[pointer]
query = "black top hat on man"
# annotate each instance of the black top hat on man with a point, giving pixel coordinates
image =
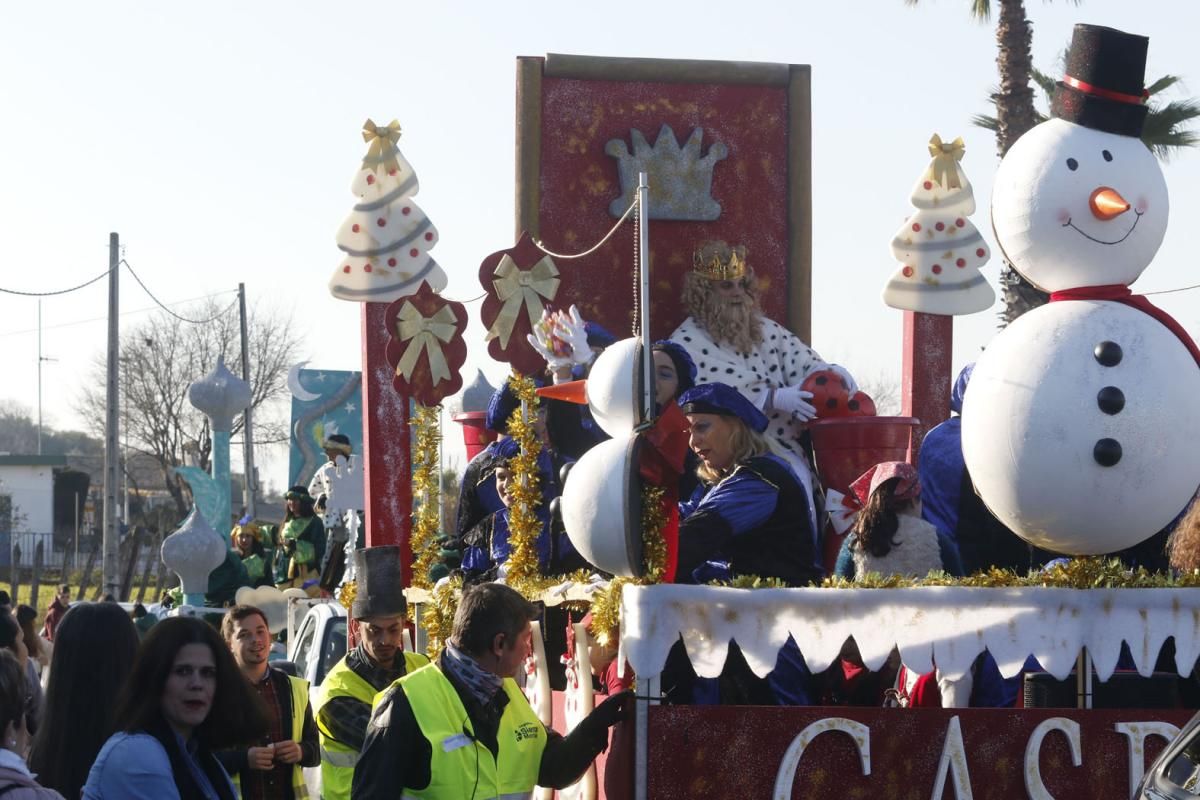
(1104, 85)
(379, 592)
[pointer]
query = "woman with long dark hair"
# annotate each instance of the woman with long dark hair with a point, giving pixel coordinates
(184, 699)
(94, 648)
(889, 536)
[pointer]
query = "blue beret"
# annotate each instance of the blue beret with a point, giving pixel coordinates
(685, 368)
(598, 335)
(718, 398)
(501, 406)
(506, 449)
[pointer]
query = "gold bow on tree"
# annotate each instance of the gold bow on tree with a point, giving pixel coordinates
(944, 169)
(428, 333)
(382, 151)
(515, 286)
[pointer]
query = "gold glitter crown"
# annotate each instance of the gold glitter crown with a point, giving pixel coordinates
(717, 270)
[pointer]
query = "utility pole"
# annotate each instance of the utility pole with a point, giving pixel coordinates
(39, 452)
(112, 456)
(41, 358)
(250, 492)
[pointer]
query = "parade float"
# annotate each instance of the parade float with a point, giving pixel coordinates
(1087, 454)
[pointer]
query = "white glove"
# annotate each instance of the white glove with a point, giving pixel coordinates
(794, 400)
(569, 327)
(539, 340)
(851, 384)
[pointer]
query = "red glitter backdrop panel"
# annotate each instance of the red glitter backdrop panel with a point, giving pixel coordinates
(579, 181)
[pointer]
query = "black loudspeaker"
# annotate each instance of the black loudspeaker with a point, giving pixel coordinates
(1122, 690)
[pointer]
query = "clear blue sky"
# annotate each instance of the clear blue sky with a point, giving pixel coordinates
(220, 138)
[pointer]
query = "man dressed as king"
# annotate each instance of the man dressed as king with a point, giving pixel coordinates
(732, 342)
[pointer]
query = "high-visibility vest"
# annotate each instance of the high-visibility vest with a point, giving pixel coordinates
(299, 690)
(338, 759)
(461, 767)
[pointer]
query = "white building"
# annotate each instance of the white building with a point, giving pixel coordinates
(27, 492)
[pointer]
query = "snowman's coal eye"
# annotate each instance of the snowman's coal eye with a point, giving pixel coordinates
(1072, 164)
(1107, 155)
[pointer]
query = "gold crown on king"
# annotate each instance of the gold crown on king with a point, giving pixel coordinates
(717, 270)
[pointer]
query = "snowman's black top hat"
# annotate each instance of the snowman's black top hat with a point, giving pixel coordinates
(1104, 85)
(379, 592)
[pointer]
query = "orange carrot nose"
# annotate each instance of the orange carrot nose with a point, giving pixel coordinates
(572, 392)
(1107, 203)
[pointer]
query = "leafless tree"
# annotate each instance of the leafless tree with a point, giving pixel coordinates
(162, 356)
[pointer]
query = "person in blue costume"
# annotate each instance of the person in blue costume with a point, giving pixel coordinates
(486, 547)
(941, 464)
(952, 506)
(748, 517)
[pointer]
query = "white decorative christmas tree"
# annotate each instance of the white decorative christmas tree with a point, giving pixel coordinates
(387, 237)
(939, 249)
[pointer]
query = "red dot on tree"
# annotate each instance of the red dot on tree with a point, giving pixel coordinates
(928, 185)
(908, 271)
(370, 179)
(941, 226)
(429, 237)
(916, 226)
(391, 262)
(962, 262)
(937, 269)
(392, 172)
(355, 227)
(406, 211)
(960, 222)
(414, 252)
(981, 252)
(367, 268)
(346, 268)
(381, 222)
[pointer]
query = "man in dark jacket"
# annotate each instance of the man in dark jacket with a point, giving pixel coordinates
(486, 739)
(272, 769)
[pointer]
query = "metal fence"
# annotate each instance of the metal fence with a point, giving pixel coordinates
(64, 554)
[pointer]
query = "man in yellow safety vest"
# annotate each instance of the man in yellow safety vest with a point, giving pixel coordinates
(271, 770)
(460, 728)
(343, 703)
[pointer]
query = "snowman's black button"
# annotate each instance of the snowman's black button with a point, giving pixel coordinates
(1108, 354)
(1111, 400)
(1107, 452)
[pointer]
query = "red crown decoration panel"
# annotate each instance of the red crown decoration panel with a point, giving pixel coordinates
(581, 178)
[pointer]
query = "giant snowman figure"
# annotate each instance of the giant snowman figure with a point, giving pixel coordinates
(1082, 422)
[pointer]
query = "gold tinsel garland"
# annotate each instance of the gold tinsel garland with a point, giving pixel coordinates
(525, 493)
(426, 492)
(346, 594)
(438, 619)
(1092, 572)
(606, 604)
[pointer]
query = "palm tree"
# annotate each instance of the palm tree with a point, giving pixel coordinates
(1165, 132)
(1015, 114)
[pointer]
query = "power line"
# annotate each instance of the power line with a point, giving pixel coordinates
(142, 310)
(58, 291)
(161, 305)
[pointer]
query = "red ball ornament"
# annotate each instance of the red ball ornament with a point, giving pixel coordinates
(367, 268)
(960, 222)
(354, 227)
(391, 262)
(381, 222)
(962, 262)
(429, 237)
(406, 211)
(830, 394)
(916, 226)
(941, 226)
(370, 180)
(414, 253)
(937, 269)
(981, 252)
(346, 268)
(908, 271)
(861, 405)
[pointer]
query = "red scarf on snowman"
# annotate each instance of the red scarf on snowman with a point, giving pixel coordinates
(1120, 293)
